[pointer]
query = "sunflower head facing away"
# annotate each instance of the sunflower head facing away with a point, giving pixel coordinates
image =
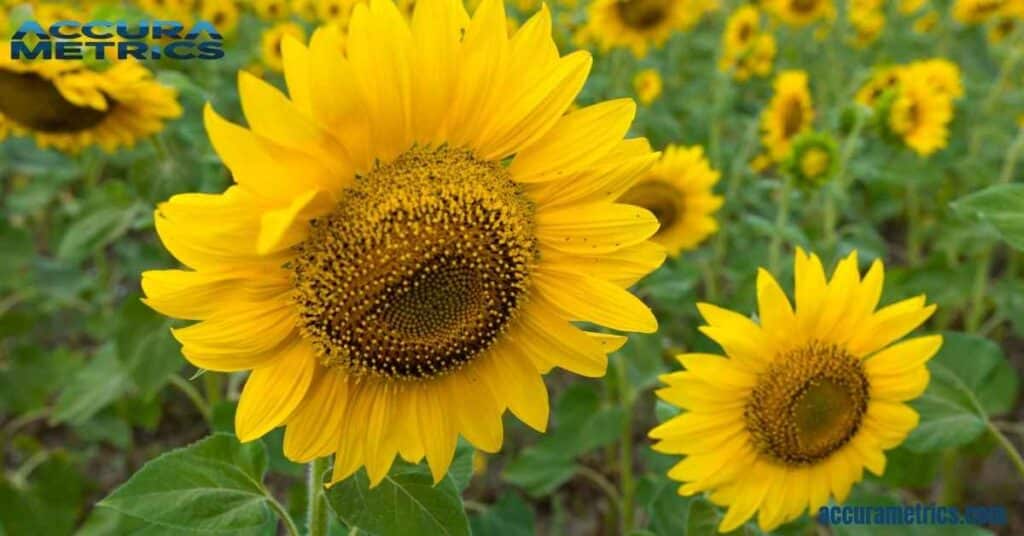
(69, 105)
(788, 114)
(813, 160)
(678, 190)
(412, 235)
(641, 24)
(803, 399)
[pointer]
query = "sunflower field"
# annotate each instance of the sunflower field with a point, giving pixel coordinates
(591, 267)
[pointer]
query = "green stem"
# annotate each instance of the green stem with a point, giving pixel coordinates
(837, 190)
(978, 290)
(317, 513)
(781, 220)
(1008, 447)
(913, 223)
(282, 514)
(952, 477)
(601, 482)
(212, 386)
(626, 450)
(190, 391)
(1010, 163)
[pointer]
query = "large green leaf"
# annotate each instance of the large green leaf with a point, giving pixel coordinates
(95, 231)
(47, 504)
(971, 380)
(405, 502)
(213, 486)
(1002, 206)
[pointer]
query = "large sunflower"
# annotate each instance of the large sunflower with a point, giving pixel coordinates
(804, 399)
(410, 237)
(678, 190)
(641, 24)
(789, 113)
(69, 106)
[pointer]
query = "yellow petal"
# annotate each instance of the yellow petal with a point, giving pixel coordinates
(313, 430)
(436, 28)
(593, 300)
(240, 337)
(273, 392)
(594, 229)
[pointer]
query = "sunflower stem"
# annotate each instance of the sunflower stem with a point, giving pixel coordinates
(317, 501)
(212, 386)
(192, 394)
(781, 221)
(838, 186)
(913, 227)
(282, 514)
(626, 450)
(1007, 446)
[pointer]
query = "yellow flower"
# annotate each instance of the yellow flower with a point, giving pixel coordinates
(919, 115)
(926, 22)
(411, 233)
(803, 399)
(814, 159)
(801, 12)
(741, 29)
(679, 191)
(272, 42)
(941, 74)
(176, 9)
(746, 50)
(336, 11)
(222, 13)
(976, 11)
(867, 23)
(270, 9)
(789, 113)
(881, 80)
(69, 106)
(304, 9)
(641, 24)
(907, 7)
(647, 84)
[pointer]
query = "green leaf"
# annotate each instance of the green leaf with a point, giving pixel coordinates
(47, 504)
(1002, 206)
(145, 346)
(510, 516)
(94, 231)
(669, 512)
(461, 470)
(214, 486)
(405, 502)
(971, 380)
(92, 388)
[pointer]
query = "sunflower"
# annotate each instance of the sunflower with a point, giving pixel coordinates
(867, 23)
(746, 50)
(804, 398)
(222, 13)
(678, 190)
(789, 113)
(334, 11)
(941, 74)
(926, 22)
(882, 80)
(813, 160)
(304, 9)
(919, 114)
(801, 12)
(741, 28)
(69, 106)
(647, 84)
(411, 235)
(271, 43)
(976, 11)
(908, 7)
(640, 24)
(270, 9)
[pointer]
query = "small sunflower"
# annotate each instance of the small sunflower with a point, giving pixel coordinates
(789, 113)
(412, 234)
(641, 24)
(976, 11)
(304, 9)
(942, 74)
(926, 22)
(804, 399)
(270, 9)
(746, 50)
(813, 160)
(867, 24)
(919, 115)
(647, 84)
(69, 106)
(679, 191)
(908, 7)
(222, 13)
(882, 80)
(271, 43)
(801, 12)
(741, 28)
(335, 11)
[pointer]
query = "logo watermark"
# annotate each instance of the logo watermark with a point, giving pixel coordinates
(73, 40)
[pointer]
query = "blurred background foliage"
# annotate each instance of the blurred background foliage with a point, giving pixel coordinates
(92, 386)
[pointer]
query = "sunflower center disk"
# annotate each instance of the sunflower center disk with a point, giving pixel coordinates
(419, 268)
(662, 199)
(807, 404)
(642, 14)
(792, 118)
(34, 102)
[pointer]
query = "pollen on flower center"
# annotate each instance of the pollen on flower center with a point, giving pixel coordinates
(34, 102)
(642, 14)
(419, 268)
(807, 404)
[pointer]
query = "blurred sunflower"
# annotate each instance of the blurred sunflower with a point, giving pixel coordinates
(867, 20)
(222, 13)
(919, 115)
(270, 9)
(679, 191)
(171, 9)
(882, 80)
(334, 11)
(926, 22)
(1007, 22)
(942, 74)
(813, 160)
(801, 12)
(271, 43)
(908, 7)
(304, 9)
(647, 84)
(641, 24)
(409, 238)
(804, 399)
(789, 113)
(746, 50)
(976, 11)
(69, 106)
